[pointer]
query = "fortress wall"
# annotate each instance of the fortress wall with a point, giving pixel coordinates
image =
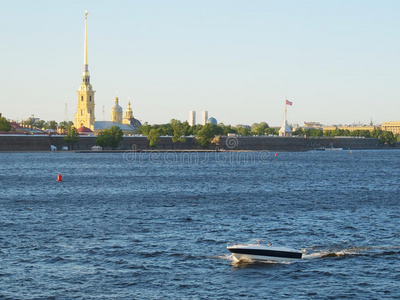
(262, 143)
(10, 142)
(343, 142)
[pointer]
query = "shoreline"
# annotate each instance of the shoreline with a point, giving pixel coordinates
(186, 151)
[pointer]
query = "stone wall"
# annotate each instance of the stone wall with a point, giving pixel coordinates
(262, 143)
(18, 142)
(343, 142)
(10, 142)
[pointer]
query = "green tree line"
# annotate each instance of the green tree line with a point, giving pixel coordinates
(384, 136)
(204, 133)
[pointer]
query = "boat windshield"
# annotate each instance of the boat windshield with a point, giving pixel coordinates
(252, 242)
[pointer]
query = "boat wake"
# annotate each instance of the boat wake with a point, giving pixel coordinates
(350, 252)
(241, 263)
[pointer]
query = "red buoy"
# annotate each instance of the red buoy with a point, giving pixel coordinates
(276, 154)
(59, 178)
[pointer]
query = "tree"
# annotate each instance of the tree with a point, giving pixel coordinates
(193, 130)
(387, 137)
(154, 137)
(4, 124)
(50, 125)
(271, 131)
(317, 132)
(39, 124)
(166, 129)
(72, 137)
(241, 130)
(299, 131)
(179, 130)
(145, 129)
(116, 136)
(206, 134)
(259, 128)
(65, 125)
(111, 137)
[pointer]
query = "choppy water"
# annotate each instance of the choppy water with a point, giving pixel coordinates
(155, 226)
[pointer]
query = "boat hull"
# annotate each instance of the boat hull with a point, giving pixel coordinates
(271, 254)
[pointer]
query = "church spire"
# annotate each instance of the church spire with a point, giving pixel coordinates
(85, 61)
(85, 74)
(85, 114)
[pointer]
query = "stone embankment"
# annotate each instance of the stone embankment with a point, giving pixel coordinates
(9, 142)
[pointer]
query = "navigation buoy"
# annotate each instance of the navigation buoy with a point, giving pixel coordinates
(59, 178)
(276, 154)
(351, 151)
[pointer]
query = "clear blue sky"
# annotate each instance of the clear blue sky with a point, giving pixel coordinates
(338, 61)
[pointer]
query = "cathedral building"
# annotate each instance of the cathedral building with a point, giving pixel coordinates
(85, 120)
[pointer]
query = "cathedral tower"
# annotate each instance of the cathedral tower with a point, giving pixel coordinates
(128, 115)
(116, 112)
(85, 113)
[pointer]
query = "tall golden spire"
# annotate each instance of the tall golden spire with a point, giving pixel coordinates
(85, 114)
(85, 62)
(85, 74)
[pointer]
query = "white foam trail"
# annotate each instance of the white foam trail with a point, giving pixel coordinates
(224, 257)
(342, 252)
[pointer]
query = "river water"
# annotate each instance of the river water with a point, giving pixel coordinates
(153, 226)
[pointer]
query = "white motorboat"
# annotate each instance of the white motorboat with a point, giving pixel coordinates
(260, 251)
(329, 149)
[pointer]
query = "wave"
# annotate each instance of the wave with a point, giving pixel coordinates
(350, 252)
(244, 262)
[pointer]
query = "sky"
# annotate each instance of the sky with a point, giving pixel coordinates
(337, 61)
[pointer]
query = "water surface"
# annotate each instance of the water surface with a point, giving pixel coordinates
(152, 226)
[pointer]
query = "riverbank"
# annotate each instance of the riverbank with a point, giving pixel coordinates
(9, 142)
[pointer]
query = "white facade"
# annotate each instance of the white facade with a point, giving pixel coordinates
(192, 118)
(204, 117)
(285, 130)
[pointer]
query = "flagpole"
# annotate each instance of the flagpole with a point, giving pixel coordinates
(285, 111)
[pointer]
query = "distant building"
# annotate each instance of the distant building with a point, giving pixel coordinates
(393, 126)
(204, 117)
(243, 126)
(350, 127)
(192, 118)
(33, 120)
(312, 125)
(295, 126)
(212, 121)
(285, 130)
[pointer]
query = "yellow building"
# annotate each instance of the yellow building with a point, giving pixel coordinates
(85, 113)
(393, 126)
(350, 128)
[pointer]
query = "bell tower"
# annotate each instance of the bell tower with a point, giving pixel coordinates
(85, 112)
